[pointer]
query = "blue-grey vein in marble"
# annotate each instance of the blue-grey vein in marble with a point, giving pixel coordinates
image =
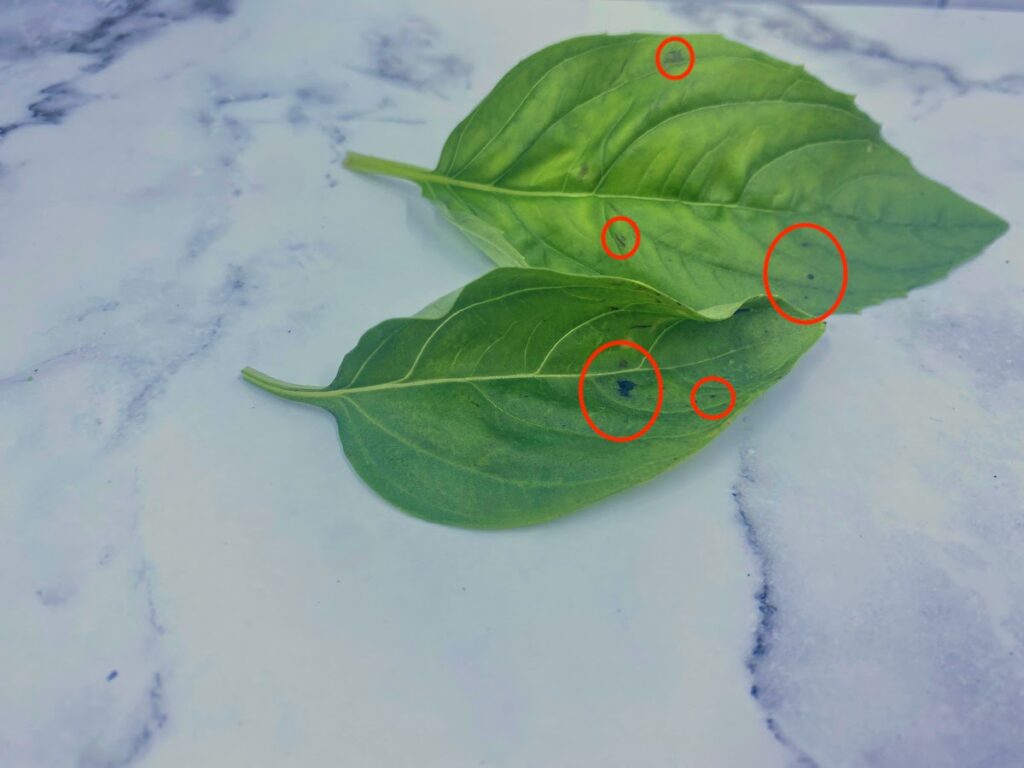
(192, 577)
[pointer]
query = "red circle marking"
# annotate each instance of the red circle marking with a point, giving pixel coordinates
(661, 47)
(604, 238)
(657, 406)
(713, 416)
(842, 288)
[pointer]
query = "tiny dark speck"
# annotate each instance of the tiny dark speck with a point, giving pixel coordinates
(112, 675)
(810, 276)
(625, 387)
(623, 363)
(805, 244)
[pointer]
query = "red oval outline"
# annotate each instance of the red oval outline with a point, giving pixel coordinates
(604, 238)
(842, 259)
(583, 400)
(713, 416)
(657, 57)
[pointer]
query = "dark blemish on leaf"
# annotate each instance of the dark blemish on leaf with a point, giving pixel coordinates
(584, 170)
(623, 363)
(673, 56)
(641, 326)
(620, 239)
(625, 387)
(112, 675)
(810, 276)
(805, 244)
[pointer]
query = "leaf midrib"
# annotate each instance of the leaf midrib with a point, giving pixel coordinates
(293, 391)
(376, 165)
(431, 177)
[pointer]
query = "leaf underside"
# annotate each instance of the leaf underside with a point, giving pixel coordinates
(711, 168)
(469, 415)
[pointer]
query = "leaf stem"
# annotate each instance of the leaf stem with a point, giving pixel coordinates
(297, 392)
(378, 165)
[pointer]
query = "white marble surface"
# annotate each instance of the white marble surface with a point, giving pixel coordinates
(190, 572)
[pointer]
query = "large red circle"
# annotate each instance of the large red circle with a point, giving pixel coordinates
(713, 416)
(661, 47)
(657, 406)
(604, 238)
(842, 288)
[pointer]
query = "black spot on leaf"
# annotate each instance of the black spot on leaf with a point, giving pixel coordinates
(625, 386)
(673, 56)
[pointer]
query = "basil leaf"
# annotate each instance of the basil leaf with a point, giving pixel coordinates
(469, 415)
(711, 168)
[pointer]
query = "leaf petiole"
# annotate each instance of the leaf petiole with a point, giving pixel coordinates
(378, 165)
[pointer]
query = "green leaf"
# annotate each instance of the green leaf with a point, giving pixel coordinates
(471, 417)
(711, 168)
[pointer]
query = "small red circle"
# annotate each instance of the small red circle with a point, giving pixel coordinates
(661, 47)
(657, 405)
(713, 416)
(842, 287)
(604, 238)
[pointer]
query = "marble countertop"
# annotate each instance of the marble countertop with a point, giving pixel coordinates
(192, 574)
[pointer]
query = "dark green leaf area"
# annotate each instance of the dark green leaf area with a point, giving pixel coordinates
(472, 418)
(711, 167)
